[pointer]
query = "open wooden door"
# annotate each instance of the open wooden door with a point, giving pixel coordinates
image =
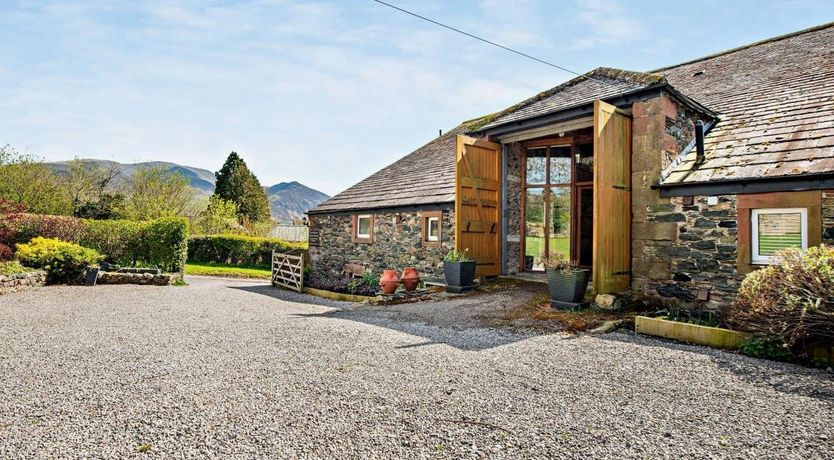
(612, 199)
(478, 203)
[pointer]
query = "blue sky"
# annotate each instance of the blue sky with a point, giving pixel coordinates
(321, 92)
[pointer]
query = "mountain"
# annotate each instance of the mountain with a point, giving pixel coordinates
(288, 200)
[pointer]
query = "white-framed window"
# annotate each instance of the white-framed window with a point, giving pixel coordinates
(363, 226)
(776, 229)
(433, 231)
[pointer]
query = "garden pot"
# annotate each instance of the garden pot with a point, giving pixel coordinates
(459, 275)
(389, 281)
(410, 279)
(567, 287)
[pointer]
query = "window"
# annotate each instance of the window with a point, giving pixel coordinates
(776, 229)
(363, 228)
(433, 229)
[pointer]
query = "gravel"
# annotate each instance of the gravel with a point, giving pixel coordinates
(235, 369)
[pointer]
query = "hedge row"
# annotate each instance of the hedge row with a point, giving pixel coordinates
(238, 249)
(159, 243)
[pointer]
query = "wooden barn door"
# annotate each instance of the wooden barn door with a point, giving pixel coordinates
(478, 203)
(612, 199)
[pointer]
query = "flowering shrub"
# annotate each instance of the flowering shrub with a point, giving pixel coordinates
(64, 262)
(368, 285)
(791, 301)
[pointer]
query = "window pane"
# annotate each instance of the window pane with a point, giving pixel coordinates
(560, 206)
(560, 165)
(585, 162)
(434, 228)
(536, 166)
(779, 231)
(534, 230)
(364, 226)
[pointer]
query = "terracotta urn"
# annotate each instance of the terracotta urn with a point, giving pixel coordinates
(389, 281)
(410, 279)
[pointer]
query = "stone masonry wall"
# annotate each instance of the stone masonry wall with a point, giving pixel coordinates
(660, 128)
(398, 243)
(702, 256)
(512, 214)
(21, 281)
(828, 217)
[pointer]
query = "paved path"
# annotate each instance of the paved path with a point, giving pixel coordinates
(235, 369)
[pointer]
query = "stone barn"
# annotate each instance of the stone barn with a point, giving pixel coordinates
(670, 184)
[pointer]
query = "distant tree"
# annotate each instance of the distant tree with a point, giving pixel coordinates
(107, 206)
(27, 181)
(236, 183)
(156, 191)
(220, 216)
(86, 184)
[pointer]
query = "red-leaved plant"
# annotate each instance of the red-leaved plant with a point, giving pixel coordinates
(9, 214)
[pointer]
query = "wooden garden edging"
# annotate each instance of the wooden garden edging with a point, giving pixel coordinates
(691, 333)
(288, 271)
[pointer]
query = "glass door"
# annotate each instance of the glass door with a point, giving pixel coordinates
(548, 205)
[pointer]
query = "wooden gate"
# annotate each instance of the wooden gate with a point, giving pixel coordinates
(612, 199)
(288, 271)
(478, 203)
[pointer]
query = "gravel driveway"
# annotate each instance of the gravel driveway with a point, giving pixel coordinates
(236, 369)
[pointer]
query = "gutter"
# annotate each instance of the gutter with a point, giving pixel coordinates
(798, 182)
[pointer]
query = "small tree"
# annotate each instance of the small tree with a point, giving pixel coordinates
(156, 191)
(236, 183)
(220, 216)
(26, 181)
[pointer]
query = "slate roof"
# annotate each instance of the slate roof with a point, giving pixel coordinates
(425, 176)
(776, 104)
(600, 83)
(775, 99)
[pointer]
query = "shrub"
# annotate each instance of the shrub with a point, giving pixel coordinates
(63, 228)
(790, 302)
(12, 267)
(766, 349)
(64, 262)
(9, 215)
(238, 249)
(161, 242)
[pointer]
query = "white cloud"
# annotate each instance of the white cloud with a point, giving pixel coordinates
(606, 23)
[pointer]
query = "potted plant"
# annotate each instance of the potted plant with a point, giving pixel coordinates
(566, 280)
(459, 271)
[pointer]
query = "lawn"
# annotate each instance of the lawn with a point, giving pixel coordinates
(232, 271)
(535, 245)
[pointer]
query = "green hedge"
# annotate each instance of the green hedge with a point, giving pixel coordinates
(238, 249)
(159, 243)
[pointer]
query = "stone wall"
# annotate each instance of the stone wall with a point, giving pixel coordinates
(22, 281)
(398, 243)
(163, 279)
(701, 255)
(660, 127)
(512, 214)
(828, 217)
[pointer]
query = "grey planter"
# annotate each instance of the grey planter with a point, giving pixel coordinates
(567, 288)
(459, 276)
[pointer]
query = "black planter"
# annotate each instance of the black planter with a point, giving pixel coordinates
(459, 275)
(567, 287)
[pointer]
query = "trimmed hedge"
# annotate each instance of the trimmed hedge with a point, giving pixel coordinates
(159, 243)
(238, 249)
